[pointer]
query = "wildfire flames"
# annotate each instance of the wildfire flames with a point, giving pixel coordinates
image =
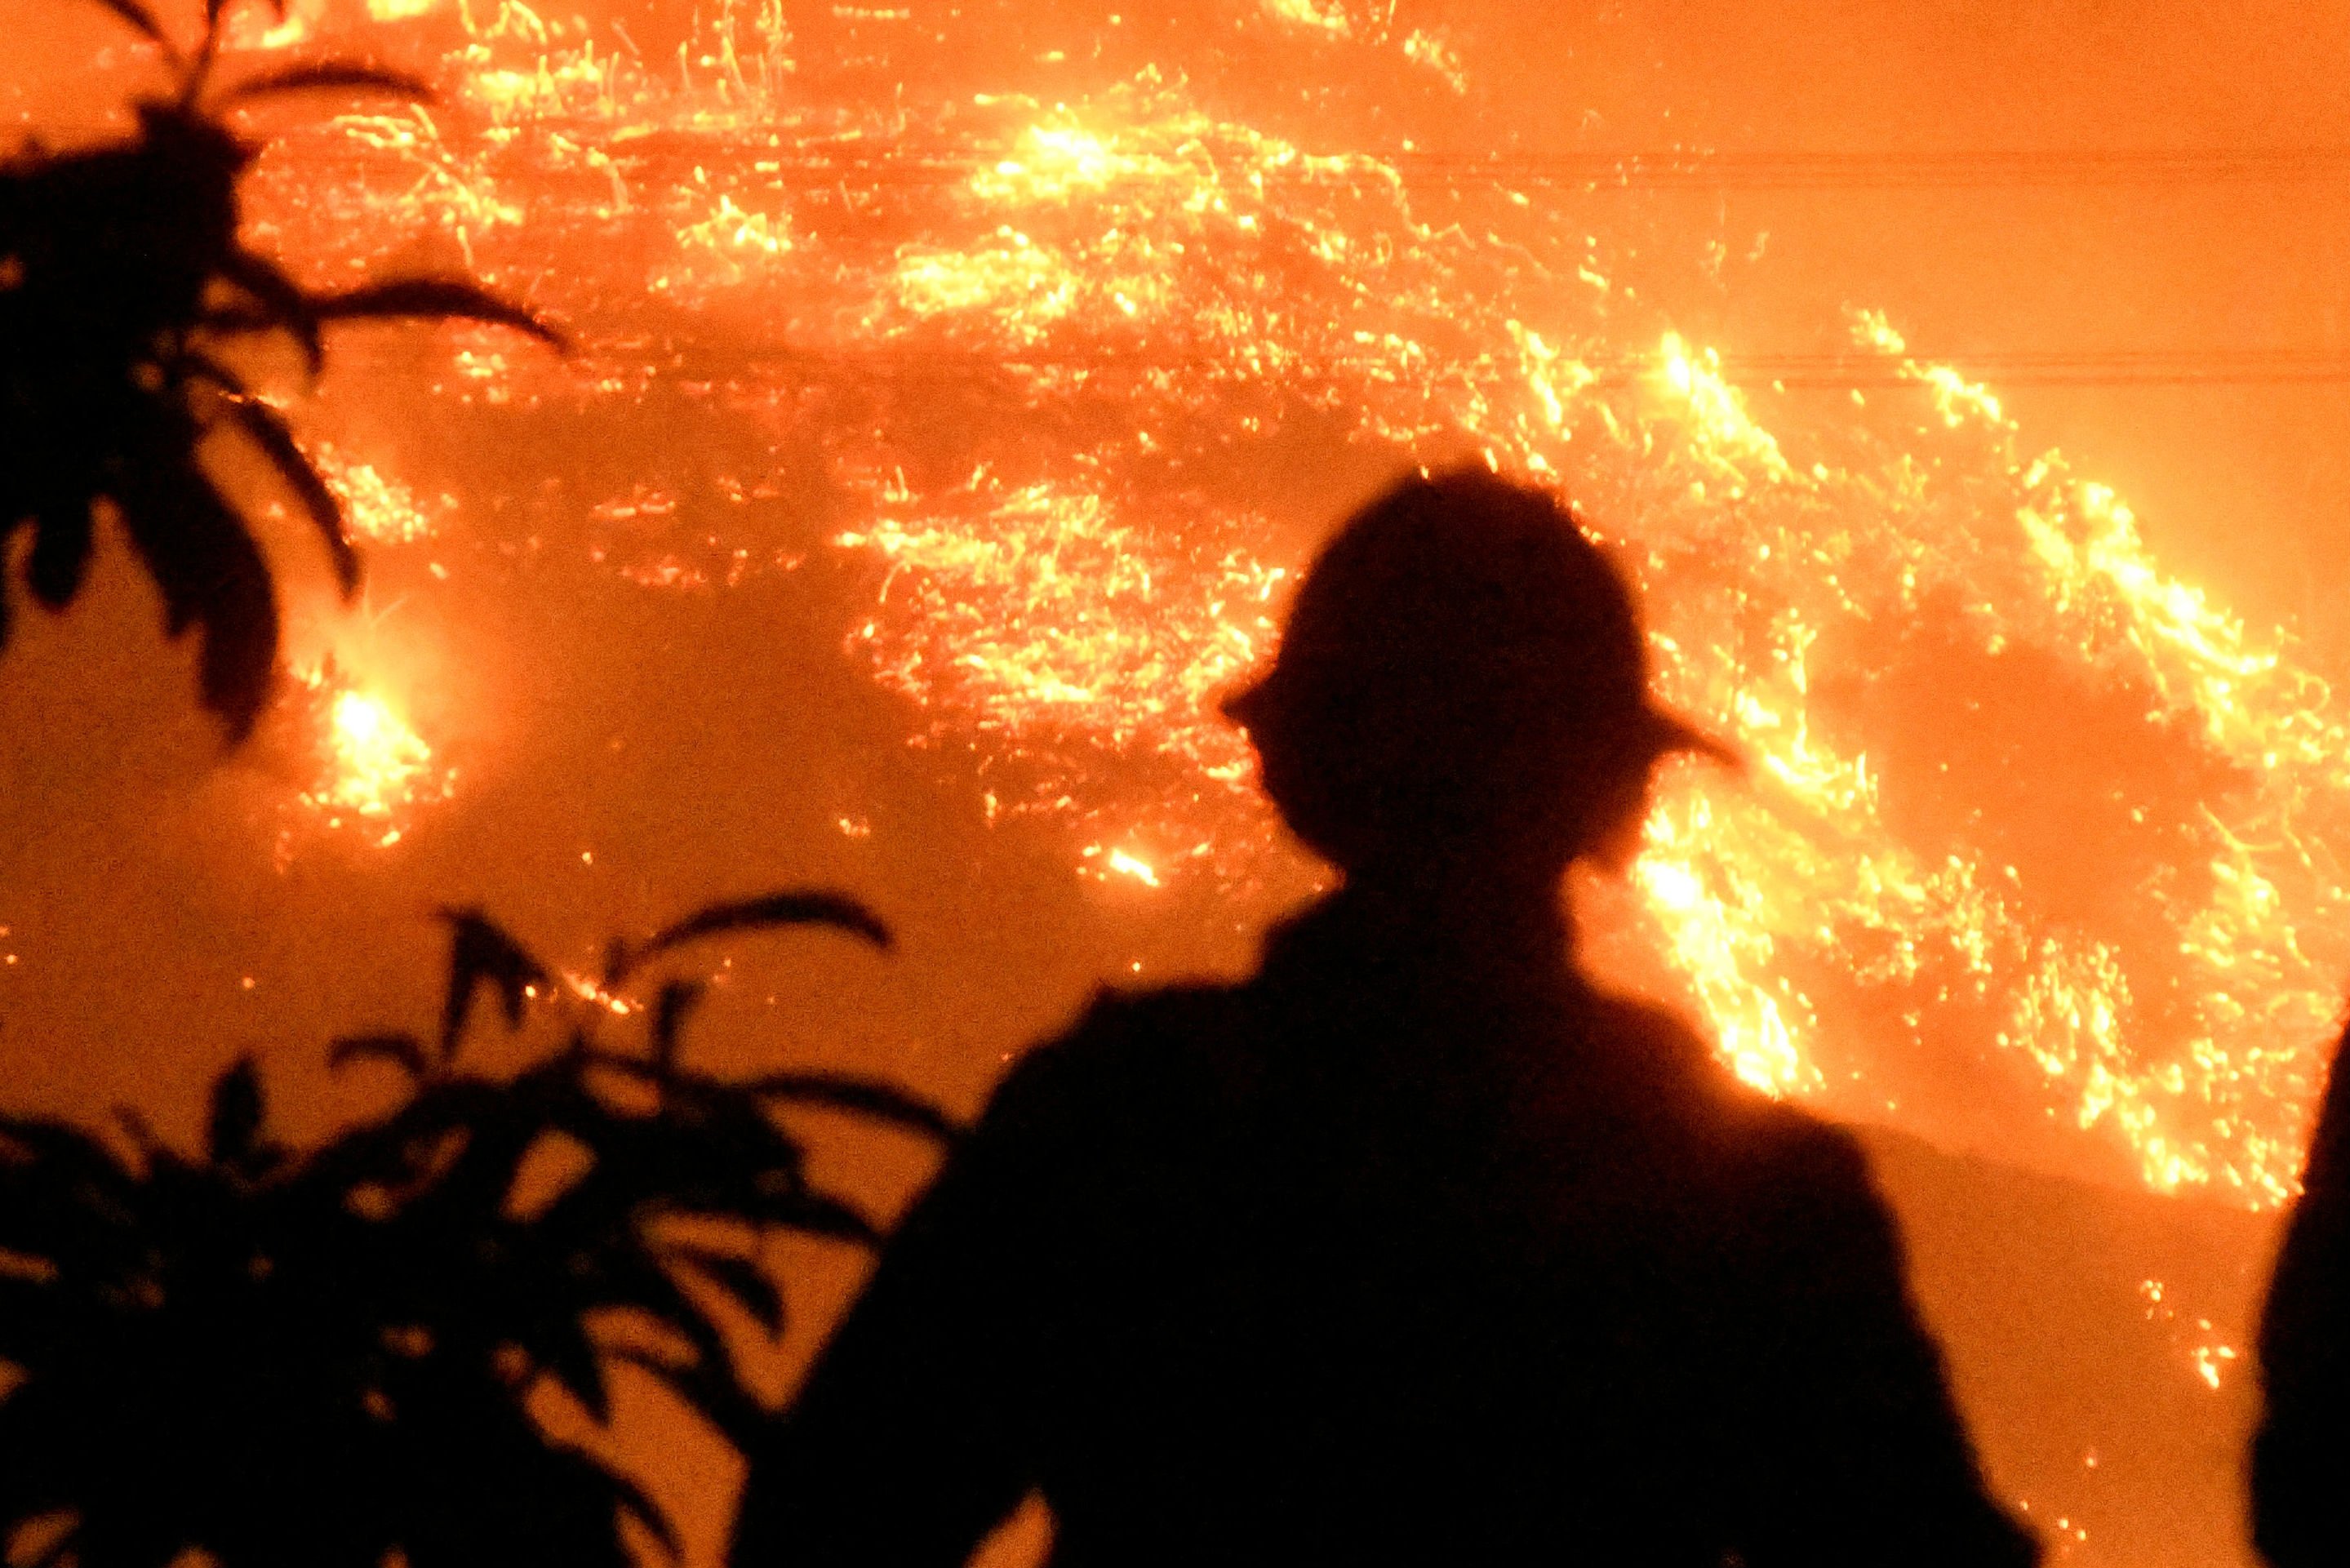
(374, 771)
(1029, 344)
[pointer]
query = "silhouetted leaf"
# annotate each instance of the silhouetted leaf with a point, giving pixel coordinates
(61, 542)
(209, 574)
(862, 1097)
(723, 1401)
(476, 1187)
(139, 16)
(233, 1131)
(351, 1335)
(403, 1050)
(676, 1002)
(329, 74)
(635, 1280)
(432, 298)
(285, 306)
(816, 1214)
(267, 431)
(833, 910)
(480, 950)
(741, 1278)
(569, 1356)
(204, 366)
(639, 1505)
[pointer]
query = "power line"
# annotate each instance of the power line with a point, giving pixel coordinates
(2000, 369)
(1890, 171)
(1591, 173)
(1997, 371)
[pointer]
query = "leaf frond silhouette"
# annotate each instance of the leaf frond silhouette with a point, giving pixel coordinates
(331, 1353)
(766, 911)
(404, 1051)
(124, 289)
(432, 298)
(482, 953)
(264, 427)
(676, 1002)
(139, 17)
(859, 1096)
(233, 1131)
(331, 75)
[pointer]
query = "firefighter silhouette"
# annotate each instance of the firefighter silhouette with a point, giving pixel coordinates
(1416, 1248)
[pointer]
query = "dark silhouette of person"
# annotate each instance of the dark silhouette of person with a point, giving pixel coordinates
(2301, 1453)
(1415, 1248)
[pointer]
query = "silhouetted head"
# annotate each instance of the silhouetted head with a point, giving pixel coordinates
(1463, 686)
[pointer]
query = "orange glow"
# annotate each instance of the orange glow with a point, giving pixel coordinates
(1194, 287)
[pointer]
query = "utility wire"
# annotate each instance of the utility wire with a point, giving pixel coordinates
(1996, 371)
(2003, 368)
(1890, 171)
(1592, 172)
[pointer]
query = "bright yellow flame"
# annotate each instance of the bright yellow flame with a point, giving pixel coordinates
(1315, 16)
(378, 758)
(375, 768)
(2209, 1360)
(1130, 866)
(595, 995)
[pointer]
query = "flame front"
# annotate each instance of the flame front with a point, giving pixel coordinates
(2023, 809)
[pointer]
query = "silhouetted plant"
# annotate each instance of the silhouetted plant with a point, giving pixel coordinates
(326, 1358)
(123, 286)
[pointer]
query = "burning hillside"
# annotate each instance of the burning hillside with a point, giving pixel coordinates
(2033, 827)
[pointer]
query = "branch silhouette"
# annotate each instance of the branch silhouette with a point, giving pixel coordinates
(124, 293)
(328, 1355)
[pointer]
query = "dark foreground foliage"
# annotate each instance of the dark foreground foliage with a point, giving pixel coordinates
(325, 1357)
(124, 295)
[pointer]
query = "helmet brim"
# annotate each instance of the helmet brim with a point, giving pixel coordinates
(1668, 733)
(1656, 730)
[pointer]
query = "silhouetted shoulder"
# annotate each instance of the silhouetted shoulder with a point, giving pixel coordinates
(1854, 1453)
(1689, 1076)
(1664, 1040)
(1132, 1061)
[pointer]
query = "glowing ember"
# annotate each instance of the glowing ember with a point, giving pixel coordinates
(2209, 1357)
(2024, 812)
(597, 996)
(377, 769)
(379, 510)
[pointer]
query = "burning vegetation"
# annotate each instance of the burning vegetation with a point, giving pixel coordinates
(1024, 349)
